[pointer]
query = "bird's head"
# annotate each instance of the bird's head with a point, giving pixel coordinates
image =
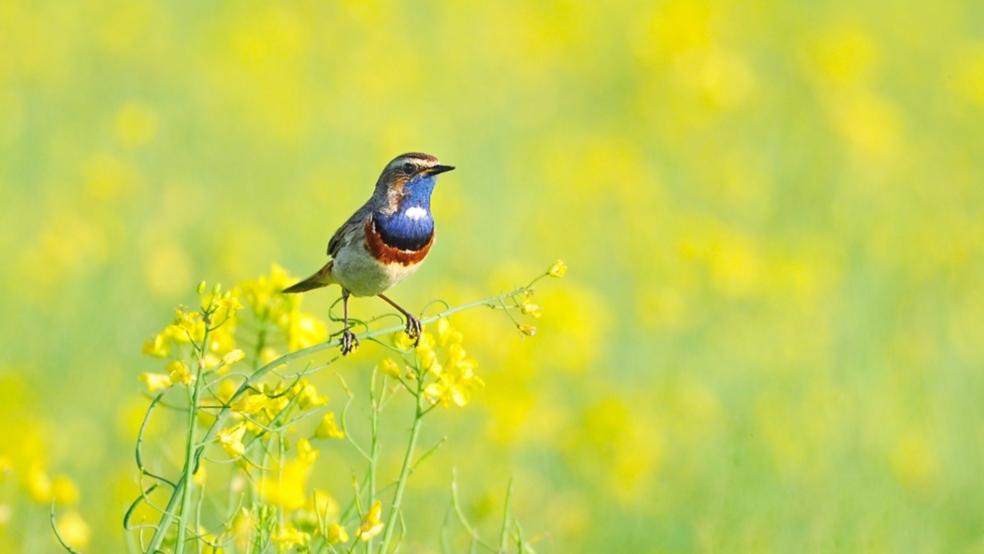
(409, 180)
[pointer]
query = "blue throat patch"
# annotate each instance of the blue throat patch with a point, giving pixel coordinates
(409, 231)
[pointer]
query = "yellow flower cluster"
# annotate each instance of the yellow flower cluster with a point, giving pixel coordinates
(207, 334)
(269, 305)
(441, 358)
(217, 318)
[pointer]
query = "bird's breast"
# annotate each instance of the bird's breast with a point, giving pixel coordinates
(371, 266)
(385, 252)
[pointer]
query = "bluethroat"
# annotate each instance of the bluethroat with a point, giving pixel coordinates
(384, 241)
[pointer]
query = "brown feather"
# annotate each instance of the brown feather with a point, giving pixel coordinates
(322, 278)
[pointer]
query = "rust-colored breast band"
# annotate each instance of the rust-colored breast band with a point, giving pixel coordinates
(387, 254)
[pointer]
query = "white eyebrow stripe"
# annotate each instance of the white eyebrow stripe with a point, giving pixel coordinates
(415, 212)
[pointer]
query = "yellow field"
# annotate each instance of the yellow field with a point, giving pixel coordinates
(770, 337)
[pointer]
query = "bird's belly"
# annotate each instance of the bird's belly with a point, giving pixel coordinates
(362, 275)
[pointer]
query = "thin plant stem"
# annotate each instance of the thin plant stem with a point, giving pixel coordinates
(504, 532)
(401, 483)
(373, 445)
(194, 390)
(169, 514)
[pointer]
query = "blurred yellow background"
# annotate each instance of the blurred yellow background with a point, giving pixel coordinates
(771, 337)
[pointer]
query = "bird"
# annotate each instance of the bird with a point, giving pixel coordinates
(384, 241)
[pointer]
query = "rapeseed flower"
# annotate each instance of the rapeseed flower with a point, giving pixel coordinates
(288, 490)
(288, 537)
(324, 505)
(389, 368)
(155, 382)
(73, 529)
(178, 372)
(372, 523)
(558, 269)
(328, 428)
(308, 396)
(336, 534)
(306, 453)
(231, 440)
(233, 356)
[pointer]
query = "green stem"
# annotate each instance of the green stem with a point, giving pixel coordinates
(373, 445)
(168, 516)
(503, 533)
(194, 390)
(401, 483)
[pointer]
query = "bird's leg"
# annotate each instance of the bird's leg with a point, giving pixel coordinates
(414, 327)
(349, 342)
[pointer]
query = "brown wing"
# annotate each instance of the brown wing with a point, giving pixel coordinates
(345, 232)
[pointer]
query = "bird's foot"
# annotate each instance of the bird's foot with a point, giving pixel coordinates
(349, 342)
(414, 329)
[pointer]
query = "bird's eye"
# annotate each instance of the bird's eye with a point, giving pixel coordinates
(408, 167)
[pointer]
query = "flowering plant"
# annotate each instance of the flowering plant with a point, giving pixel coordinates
(239, 368)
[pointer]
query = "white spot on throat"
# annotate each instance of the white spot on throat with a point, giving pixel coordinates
(415, 213)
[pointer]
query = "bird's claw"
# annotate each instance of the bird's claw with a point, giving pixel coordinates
(349, 342)
(414, 329)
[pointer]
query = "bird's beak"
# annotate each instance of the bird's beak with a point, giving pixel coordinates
(434, 170)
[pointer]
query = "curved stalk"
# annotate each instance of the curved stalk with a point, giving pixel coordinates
(169, 515)
(401, 483)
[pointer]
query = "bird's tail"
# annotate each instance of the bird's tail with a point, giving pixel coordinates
(321, 278)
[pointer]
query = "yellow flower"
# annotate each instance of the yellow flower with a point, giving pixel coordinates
(155, 382)
(372, 524)
(305, 330)
(389, 368)
(426, 342)
(156, 347)
(288, 537)
(210, 361)
(287, 490)
(64, 491)
(428, 358)
(528, 330)
(558, 269)
(305, 452)
(324, 505)
(268, 355)
(443, 327)
(447, 334)
(531, 309)
(178, 372)
(223, 339)
(250, 403)
(337, 534)
(455, 383)
(308, 397)
(449, 389)
(226, 389)
(233, 357)
(231, 440)
(73, 529)
(188, 326)
(242, 528)
(38, 484)
(402, 341)
(328, 428)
